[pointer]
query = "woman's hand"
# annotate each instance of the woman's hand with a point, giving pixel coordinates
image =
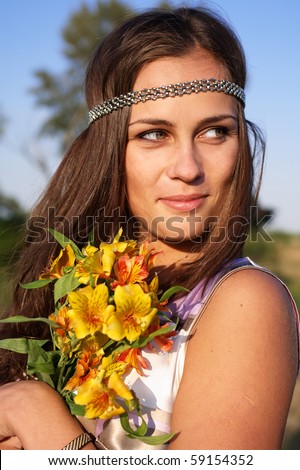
(10, 443)
(8, 439)
(34, 416)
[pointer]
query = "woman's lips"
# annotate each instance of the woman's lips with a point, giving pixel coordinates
(184, 203)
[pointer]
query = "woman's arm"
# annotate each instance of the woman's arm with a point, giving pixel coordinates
(34, 416)
(240, 369)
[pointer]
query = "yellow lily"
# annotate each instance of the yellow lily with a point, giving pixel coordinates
(118, 247)
(152, 290)
(94, 344)
(65, 259)
(133, 313)
(116, 383)
(90, 310)
(112, 364)
(89, 250)
(99, 399)
(98, 265)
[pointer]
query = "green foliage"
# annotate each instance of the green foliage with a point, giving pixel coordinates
(2, 124)
(260, 250)
(8, 254)
(62, 93)
(10, 233)
(10, 210)
(280, 254)
(12, 222)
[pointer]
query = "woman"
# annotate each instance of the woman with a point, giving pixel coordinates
(179, 172)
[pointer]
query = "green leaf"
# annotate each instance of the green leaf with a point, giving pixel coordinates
(91, 238)
(22, 319)
(38, 355)
(142, 340)
(37, 284)
(76, 410)
(41, 368)
(140, 431)
(20, 345)
(63, 241)
(173, 290)
(65, 284)
(40, 363)
(156, 440)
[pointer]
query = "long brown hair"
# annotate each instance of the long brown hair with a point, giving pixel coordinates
(87, 192)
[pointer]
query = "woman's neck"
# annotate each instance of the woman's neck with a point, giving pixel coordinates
(174, 254)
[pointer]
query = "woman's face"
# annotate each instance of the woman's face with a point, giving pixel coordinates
(181, 151)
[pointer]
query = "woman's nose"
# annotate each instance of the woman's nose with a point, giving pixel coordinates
(186, 163)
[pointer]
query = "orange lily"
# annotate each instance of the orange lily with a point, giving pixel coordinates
(134, 359)
(129, 270)
(85, 369)
(149, 254)
(164, 342)
(62, 320)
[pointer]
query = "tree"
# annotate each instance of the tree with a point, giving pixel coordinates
(11, 210)
(2, 124)
(12, 223)
(62, 93)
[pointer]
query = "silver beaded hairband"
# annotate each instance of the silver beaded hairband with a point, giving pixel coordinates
(180, 89)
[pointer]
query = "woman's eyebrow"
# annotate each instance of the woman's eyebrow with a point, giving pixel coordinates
(217, 118)
(154, 122)
(205, 121)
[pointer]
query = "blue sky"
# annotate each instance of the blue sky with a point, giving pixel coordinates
(269, 31)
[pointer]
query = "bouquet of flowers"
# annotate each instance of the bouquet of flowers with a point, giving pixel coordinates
(106, 311)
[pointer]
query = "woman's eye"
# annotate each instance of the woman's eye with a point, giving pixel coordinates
(152, 135)
(215, 133)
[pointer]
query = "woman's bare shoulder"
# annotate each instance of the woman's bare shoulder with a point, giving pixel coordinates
(253, 289)
(252, 303)
(245, 349)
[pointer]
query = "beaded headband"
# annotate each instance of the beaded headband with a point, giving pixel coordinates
(179, 89)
